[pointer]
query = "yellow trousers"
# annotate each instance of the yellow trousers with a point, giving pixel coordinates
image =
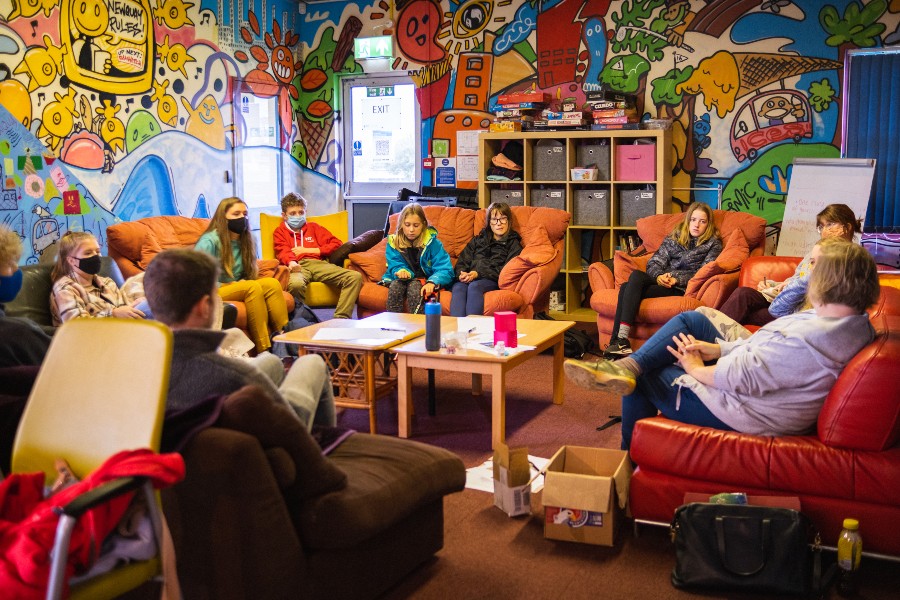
(265, 305)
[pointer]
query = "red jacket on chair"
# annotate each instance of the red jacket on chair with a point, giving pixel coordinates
(28, 521)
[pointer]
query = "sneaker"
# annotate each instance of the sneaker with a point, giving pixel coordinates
(601, 375)
(617, 349)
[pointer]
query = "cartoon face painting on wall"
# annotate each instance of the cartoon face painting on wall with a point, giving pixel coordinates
(108, 47)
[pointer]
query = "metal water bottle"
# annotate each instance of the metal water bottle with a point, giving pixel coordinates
(432, 325)
(849, 550)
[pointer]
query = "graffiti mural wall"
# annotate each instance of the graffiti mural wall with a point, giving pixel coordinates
(142, 105)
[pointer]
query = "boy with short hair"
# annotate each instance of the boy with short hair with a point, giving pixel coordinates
(304, 247)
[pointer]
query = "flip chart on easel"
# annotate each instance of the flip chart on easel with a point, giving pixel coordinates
(816, 183)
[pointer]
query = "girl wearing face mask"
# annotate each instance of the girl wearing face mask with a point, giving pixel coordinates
(479, 265)
(693, 243)
(78, 290)
(417, 263)
(228, 239)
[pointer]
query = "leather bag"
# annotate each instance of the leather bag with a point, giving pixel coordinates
(742, 547)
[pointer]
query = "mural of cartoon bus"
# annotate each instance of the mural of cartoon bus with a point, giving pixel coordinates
(768, 118)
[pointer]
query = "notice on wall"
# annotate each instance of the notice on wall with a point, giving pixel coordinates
(815, 183)
(445, 172)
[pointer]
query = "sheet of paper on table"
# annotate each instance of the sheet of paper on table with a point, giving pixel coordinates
(360, 334)
(482, 477)
(476, 325)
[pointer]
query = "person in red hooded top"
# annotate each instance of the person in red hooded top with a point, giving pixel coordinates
(304, 247)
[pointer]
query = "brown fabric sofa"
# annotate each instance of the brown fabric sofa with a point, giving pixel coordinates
(524, 282)
(133, 244)
(742, 235)
(262, 514)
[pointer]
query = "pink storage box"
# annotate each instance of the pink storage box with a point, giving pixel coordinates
(636, 162)
(504, 320)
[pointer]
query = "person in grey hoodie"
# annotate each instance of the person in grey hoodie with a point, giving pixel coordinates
(773, 382)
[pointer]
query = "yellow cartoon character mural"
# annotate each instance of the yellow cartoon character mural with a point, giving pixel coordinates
(109, 47)
(29, 8)
(205, 122)
(58, 119)
(41, 64)
(113, 130)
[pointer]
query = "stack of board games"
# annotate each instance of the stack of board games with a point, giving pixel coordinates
(612, 110)
(517, 111)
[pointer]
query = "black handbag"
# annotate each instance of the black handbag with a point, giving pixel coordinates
(742, 547)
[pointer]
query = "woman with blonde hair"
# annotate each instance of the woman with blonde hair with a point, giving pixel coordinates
(78, 290)
(229, 241)
(693, 243)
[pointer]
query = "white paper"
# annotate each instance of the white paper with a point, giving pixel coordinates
(467, 168)
(476, 325)
(481, 478)
(361, 334)
(467, 142)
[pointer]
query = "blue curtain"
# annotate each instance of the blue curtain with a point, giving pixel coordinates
(872, 113)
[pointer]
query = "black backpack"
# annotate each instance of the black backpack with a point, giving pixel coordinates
(576, 343)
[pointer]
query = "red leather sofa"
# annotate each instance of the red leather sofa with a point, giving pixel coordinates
(850, 467)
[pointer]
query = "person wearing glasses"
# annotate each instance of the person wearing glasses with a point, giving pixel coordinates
(773, 299)
(479, 265)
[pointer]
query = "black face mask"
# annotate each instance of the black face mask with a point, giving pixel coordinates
(238, 225)
(90, 265)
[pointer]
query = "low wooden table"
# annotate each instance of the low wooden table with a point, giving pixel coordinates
(358, 375)
(540, 334)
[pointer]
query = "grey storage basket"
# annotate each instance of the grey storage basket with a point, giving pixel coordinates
(549, 161)
(634, 204)
(591, 207)
(511, 197)
(549, 197)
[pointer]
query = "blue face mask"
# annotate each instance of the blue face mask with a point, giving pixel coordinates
(10, 286)
(296, 223)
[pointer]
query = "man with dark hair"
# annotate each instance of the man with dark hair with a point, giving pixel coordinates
(180, 286)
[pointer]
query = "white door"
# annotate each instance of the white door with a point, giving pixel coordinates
(382, 145)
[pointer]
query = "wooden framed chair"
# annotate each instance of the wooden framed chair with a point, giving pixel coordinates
(318, 294)
(101, 390)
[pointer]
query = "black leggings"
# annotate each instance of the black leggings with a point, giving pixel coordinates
(639, 286)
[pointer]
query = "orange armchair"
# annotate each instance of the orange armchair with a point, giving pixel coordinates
(742, 234)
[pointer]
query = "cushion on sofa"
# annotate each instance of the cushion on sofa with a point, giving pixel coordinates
(537, 250)
(360, 243)
(249, 410)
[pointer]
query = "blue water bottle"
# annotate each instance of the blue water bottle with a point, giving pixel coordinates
(432, 325)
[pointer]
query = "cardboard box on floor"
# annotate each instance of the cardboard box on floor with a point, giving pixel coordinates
(512, 480)
(585, 491)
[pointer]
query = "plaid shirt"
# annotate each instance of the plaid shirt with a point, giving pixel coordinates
(70, 299)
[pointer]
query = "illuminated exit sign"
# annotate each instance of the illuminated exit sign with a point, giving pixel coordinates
(373, 47)
(377, 91)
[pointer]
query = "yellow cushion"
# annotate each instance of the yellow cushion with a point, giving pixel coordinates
(337, 223)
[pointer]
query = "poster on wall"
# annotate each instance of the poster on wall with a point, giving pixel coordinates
(815, 183)
(445, 172)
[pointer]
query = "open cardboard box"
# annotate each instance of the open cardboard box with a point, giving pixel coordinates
(585, 491)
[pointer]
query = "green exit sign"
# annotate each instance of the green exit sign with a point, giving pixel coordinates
(373, 47)
(383, 90)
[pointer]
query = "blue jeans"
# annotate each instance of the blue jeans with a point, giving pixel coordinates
(468, 298)
(654, 391)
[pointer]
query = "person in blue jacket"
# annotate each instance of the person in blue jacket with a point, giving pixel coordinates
(417, 263)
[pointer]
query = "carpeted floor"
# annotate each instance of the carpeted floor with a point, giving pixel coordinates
(491, 556)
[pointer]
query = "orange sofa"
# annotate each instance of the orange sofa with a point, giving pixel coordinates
(742, 235)
(133, 244)
(524, 282)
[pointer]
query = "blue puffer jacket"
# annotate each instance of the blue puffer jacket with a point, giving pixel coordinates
(435, 261)
(683, 263)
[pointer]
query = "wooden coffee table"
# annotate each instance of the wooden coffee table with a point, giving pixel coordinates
(412, 354)
(358, 375)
